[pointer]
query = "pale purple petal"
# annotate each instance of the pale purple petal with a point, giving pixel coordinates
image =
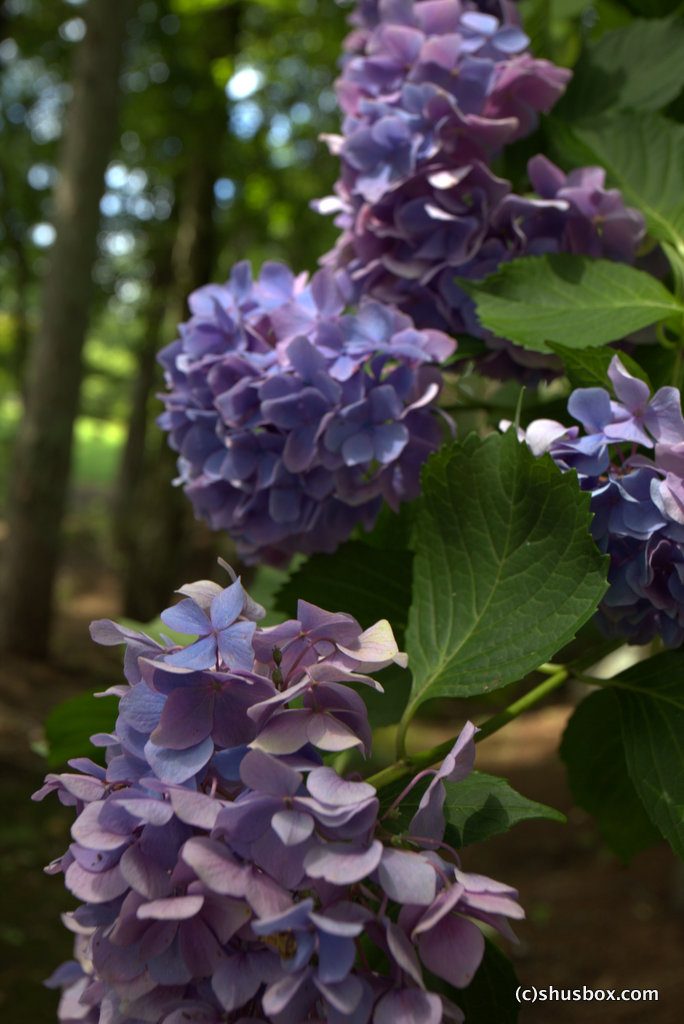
(292, 827)
(343, 864)
(175, 908)
(186, 617)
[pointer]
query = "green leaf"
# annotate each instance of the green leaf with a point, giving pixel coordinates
(573, 300)
(651, 702)
(476, 808)
(490, 997)
(392, 530)
(484, 805)
(597, 772)
(505, 570)
(609, 74)
(369, 583)
(588, 367)
(643, 155)
(70, 725)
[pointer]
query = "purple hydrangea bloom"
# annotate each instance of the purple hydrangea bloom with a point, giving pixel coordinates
(224, 872)
(629, 454)
(293, 419)
(431, 92)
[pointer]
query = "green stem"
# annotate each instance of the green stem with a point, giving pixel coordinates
(406, 764)
(519, 707)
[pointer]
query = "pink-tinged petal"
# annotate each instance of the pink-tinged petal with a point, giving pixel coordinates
(144, 874)
(225, 916)
(192, 1013)
(259, 711)
(195, 808)
(214, 865)
(200, 655)
(664, 416)
(263, 894)
(199, 947)
(175, 908)
(202, 592)
(445, 902)
(89, 832)
(226, 608)
(292, 827)
(343, 864)
(187, 718)
(265, 774)
(349, 922)
(187, 618)
(403, 953)
(453, 950)
(152, 812)
(330, 672)
(327, 732)
(326, 785)
(83, 787)
(71, 1007)
(376, 648)
(239, 976)
(408, 1006)
(407, 877)
(460, 760)
(631, 391)
(157, 938)
(284, 733)
(343, 996)
(282, 992)
(94, 887)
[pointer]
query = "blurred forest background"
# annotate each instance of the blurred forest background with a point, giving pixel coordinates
(145, 147)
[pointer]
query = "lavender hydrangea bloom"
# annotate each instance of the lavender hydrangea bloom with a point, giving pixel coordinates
(224, 872)
(294, 420)
(431, 92)
(629, 454)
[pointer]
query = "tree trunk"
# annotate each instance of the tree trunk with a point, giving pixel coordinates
(156, 536)
(43, 447)
(154, 520)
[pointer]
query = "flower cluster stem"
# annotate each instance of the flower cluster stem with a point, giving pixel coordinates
(423, 759)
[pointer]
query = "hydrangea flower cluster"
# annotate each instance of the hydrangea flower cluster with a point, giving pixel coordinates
(629, 453)
(431, 92)
(294, 419)
(226, 873)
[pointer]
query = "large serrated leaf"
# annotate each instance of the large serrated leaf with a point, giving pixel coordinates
(644, 156)
(505, 571)
(70, 725)
(609, 74)
(597, 772)
(483, 805)
(588, 367)
(475, 808)
(368, 582)
(573, 300)
(651, 702)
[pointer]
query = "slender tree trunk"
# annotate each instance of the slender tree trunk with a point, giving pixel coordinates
(154, 523)
(54, 369)
(156, 535)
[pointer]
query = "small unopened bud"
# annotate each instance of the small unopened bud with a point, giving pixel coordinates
(277, 656)
(277, 677)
